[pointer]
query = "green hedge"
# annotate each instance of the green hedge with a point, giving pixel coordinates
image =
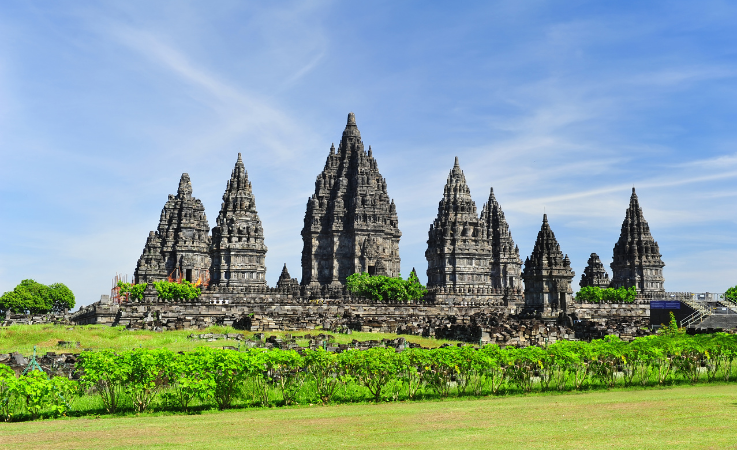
(141, 380)
(594, 294)
(166, 290)
(382, 288)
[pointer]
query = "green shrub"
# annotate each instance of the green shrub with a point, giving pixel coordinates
(594, 294)
(382, 288)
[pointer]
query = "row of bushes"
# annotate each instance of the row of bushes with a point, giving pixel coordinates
(166, 290)
(595, 294)
(382, 288)
(206, 377)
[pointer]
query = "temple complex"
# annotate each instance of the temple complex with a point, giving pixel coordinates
(458, 249)
(351, 224)
(594, 274)
(179, 249)
(505, 264)
(238, 250)
(637, 259)
(547, 274)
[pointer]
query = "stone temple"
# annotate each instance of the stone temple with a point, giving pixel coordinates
(351, 224)
(637, 259)
(180, 248)
(506, 265)
(594, 274)
(238, 250)
(547, 274)
(458, 250)
(468, 251)
(475, 274)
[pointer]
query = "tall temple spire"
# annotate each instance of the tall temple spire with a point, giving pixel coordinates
(179, 248)
(547, 273)
(458, 251)
(506, 265)
(637, 260)
(238, 250)
(351, 224)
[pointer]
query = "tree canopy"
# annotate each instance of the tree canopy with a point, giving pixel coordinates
(33, 297)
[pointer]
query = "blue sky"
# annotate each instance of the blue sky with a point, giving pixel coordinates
(560, 106)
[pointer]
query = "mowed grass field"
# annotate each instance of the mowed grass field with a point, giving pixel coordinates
(22, 338)
(680, 417)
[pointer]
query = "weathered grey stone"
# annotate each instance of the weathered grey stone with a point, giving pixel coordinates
(547, 274)
(505, 264)
(458, 249)
(179, 248)
(594, 274)
(351, 224)
(238, 250)
(637, 259)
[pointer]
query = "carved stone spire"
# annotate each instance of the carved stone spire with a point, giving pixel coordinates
(181, 241)
(506, 265)
(351, 224)
(239, 253)
(458, 251)
(547, 273)
(637, 259)
(594, 274)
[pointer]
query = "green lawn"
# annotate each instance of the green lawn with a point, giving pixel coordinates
(22, 338)
(680, 417)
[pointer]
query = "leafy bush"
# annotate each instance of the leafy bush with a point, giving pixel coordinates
(32, 297)
(134, 380)
(185, 290)
(594, 294)
(134, 291)
(731, 294)
(382, 288)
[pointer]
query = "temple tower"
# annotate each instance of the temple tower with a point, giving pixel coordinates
(179, 249)
(285, 280)
(547, 274)
(637, 259)
(351, 224)
(238, 250)
(506, 265)
(458, 249)
(594, 274)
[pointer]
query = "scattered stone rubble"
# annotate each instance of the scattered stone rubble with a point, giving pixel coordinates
(35, 319)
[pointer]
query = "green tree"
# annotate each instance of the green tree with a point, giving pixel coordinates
(28, 297)
(731, 294)
(62, 298)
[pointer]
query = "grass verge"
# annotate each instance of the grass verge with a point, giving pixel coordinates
(681, 417)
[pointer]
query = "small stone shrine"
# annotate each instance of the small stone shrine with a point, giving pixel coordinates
(286, 281)
(594, 274)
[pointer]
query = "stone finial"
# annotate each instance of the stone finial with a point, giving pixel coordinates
(351, 119)
(185, 186)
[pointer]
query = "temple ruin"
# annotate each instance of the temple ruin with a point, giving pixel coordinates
(238, 250)
(180, 247)
(475, 273)
(547, 274)
(351, 224)
(594, 274)
(637, 259)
